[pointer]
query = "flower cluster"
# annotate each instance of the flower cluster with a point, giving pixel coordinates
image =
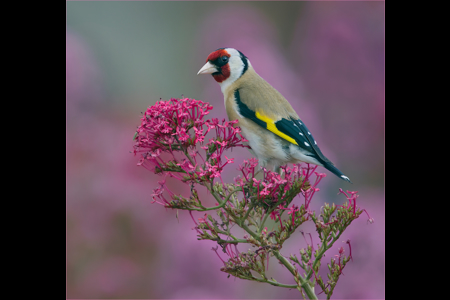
(178, 126)
(171, 139)
(274, 186)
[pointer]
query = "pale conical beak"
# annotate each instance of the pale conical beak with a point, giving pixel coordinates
(208, 68)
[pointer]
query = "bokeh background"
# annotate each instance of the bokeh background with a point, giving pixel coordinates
(326, 58)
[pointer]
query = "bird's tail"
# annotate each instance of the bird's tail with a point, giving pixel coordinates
(336, 171)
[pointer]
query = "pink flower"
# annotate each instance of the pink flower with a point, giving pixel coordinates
(181, 134)
(187, 166)
(155, 153)
(267, 186)
(350, 247)
(229, 160)
(199, 139)
(256, 182)
(253, 162)
(203, 220)
(223, 144)
(274, 214)
(239, 181)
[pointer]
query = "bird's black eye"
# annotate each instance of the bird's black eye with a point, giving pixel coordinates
(224, 59)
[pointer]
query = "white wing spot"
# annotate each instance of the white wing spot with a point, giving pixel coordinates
(309, 133)
(301, 133)
(306, 144)
(315, 143)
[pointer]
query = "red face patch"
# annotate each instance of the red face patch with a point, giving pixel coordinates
(224, 71)
(216, 54)
(223, 75)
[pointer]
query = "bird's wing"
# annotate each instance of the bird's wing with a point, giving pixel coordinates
(291, 129)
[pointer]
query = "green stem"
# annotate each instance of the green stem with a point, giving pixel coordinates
(222, 204)
(317, 259)
(324, 248)
(230, 213)
(264, 221)
(246, 215)
(254, 235)
(231, 242)
(305, 284)
(269, 211)
(289, 286)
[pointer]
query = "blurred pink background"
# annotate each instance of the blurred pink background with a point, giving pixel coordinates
(326, 58)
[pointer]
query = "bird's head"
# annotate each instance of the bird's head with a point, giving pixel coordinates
(226, 65)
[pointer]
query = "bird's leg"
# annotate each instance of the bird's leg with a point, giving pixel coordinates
(277, 169)
(258, 172)
(262, 164)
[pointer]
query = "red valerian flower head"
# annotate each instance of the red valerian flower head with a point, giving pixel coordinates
(167, 119)
(179, 125)
(174, 128)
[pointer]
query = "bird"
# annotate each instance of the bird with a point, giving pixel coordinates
(276, 134)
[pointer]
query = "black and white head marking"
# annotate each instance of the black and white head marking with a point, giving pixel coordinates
(238, 63)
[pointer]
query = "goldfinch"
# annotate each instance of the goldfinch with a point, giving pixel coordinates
(275, 132)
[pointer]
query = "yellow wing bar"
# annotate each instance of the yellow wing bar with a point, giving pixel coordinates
(271, 127)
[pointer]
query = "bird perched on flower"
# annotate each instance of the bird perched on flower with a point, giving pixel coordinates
(275, 132)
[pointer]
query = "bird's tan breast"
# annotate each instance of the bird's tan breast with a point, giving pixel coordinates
(259, 96)
(264, 143)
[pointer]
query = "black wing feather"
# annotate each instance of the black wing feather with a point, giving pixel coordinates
(292, 128)
(247, 112)
(299, 132)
